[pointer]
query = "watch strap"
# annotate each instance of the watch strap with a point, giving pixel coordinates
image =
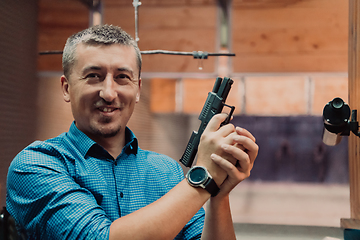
(212, 187)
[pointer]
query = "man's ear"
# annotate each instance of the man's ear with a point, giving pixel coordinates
(138, 93)
(65, 88)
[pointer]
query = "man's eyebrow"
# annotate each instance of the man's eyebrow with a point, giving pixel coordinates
(124, 69)
(92, 68)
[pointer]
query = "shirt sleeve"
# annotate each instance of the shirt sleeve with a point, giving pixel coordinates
(46, 201)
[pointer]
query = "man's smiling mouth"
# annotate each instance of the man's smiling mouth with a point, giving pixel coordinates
(107, 109)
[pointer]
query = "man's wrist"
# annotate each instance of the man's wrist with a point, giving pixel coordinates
(198, 176)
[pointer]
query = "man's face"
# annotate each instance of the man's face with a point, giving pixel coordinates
(103, 88)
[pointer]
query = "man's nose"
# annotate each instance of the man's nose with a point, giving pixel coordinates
(108, 91)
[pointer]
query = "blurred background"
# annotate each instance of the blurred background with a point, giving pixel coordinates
(291, 59)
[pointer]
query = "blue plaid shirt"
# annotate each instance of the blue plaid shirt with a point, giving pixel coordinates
(69, 187)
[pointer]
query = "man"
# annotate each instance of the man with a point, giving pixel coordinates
(94, 182)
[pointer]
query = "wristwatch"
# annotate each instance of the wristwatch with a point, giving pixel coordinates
(198, 176)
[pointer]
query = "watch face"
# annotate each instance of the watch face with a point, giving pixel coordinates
(198, 175)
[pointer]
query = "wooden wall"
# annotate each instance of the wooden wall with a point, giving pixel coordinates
(303, 36)
(299, 36)
(57, 20)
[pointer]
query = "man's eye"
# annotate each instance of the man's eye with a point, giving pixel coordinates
(122, 78)
(93, 76)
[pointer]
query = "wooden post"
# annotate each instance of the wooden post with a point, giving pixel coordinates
(354, 102)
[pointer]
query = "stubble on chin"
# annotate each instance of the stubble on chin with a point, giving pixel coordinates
(103, 130)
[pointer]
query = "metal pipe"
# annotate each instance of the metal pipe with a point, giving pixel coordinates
(136, 4)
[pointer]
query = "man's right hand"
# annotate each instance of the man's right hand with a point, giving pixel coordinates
(212, 140)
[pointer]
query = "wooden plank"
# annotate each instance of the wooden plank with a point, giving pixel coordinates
(354, 102)
(57, 20)
(62, 14)
(277, 3)
(305, 36)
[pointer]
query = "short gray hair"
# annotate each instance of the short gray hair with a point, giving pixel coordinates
(97, 35)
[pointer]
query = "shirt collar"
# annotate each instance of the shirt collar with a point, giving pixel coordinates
(80, 140)
(83, 143)
(131, 142)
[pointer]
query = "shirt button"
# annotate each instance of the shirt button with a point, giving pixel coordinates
(121, 194)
